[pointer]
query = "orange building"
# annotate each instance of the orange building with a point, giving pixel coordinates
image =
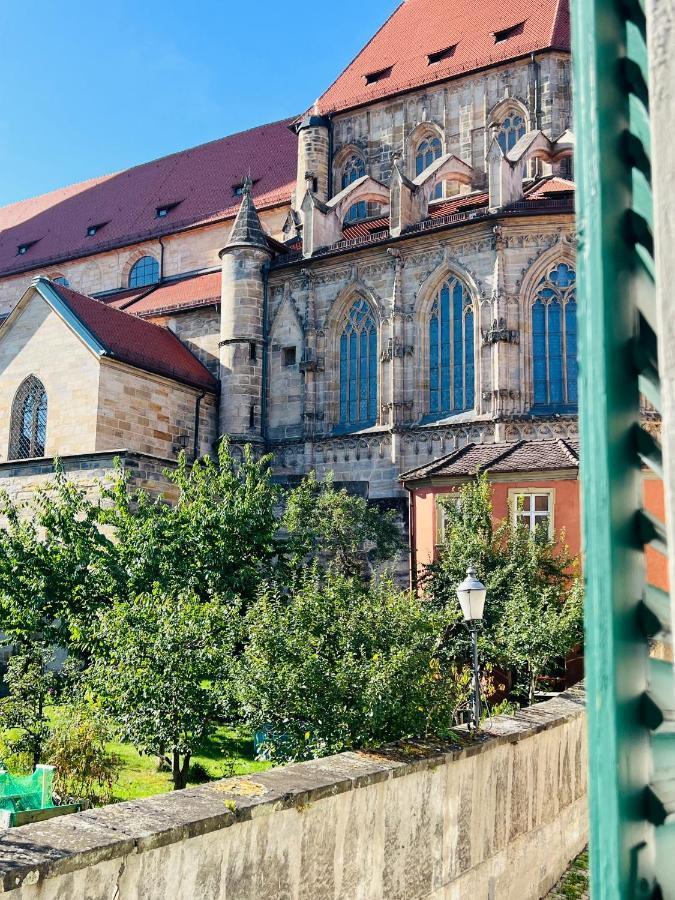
(533, 481)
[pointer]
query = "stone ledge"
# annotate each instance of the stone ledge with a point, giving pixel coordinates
(62, 845)
(45, 464)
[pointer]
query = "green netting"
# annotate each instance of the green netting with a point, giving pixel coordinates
(20, 793)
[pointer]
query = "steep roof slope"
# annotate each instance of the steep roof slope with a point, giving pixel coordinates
(196, 185)
(132, 340)
(463, 34)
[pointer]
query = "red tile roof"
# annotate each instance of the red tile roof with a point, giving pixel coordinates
(135, 342)
(199, 180)
(365, 229)
(458, 204)
(200, 290)
(422, 27)
(549, 187)
(521, 456)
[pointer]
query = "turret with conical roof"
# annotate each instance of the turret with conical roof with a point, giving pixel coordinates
(243, 259)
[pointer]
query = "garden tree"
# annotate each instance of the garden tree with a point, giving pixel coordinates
(163, 670)
(342, 664)
(57, 566)
(324, 524)
(217, 539)
(542, 618)
(77, 748)
(533, 612)
(30, 681)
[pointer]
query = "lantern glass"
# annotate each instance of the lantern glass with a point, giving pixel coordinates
(471, 595)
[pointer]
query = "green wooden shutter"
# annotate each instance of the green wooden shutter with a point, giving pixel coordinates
(631, 717)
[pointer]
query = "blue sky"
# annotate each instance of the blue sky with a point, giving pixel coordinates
(90, 88)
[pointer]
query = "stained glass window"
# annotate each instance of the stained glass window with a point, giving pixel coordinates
(145, 271)
(354, 169)
(428, 151)
(554, 342)
(510, 132)
(451, 350)
(28, 427)
(358, 367)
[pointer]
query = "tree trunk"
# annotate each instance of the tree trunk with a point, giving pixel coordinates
(180, 772)
(533, 686)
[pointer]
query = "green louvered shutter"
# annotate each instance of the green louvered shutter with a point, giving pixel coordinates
(631, 712)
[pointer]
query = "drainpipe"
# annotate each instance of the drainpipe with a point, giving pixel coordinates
(161, 259)
(537, 91)
(198, 403)
(330, 158)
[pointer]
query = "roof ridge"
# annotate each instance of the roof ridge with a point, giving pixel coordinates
(500, 456)
(571, 452)
(429, 467)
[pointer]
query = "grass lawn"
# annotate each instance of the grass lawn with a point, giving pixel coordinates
(228, 752)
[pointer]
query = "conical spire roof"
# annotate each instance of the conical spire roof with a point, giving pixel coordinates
(247, 230)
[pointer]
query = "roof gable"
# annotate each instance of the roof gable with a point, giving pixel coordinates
(114, 334)
(197, 185)
(414, 46)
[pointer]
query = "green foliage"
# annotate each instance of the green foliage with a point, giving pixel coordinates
(57, 567)
(343, 664)
(77, 747)
(534, 608)
(162, 671)
(218, 539)
(328, 525)
(22, 711)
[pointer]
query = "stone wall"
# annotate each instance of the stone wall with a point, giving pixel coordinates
(500, 819)
(152, 414)
(20, 479)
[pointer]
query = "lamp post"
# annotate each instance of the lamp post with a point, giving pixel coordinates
(471, 595)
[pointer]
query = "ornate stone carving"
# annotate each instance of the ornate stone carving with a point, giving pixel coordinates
(499, 333)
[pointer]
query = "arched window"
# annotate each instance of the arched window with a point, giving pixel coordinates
(364, 209)
(358, 367)
(510, 131)
(145, 271)
(554, 342)
(428, 151)
(28, 426)
(62, 280)
(451, 354)
(353, 169)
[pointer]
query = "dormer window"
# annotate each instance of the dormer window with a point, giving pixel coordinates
(379, 75)
(506, 33)
(162, 211)
(25, 247)
(94, 229)
(440, 55)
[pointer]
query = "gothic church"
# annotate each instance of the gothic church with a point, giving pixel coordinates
(394, 280)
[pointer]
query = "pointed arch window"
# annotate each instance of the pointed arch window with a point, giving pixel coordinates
(428, 152)
(510, 131)
(358, 367)
(144, 271)
(28, 425)
(554, 342)
(451, 350)
(354, 169)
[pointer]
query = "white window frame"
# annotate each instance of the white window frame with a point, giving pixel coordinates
(515, 493)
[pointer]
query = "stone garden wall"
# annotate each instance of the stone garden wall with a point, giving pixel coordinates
(500, 820)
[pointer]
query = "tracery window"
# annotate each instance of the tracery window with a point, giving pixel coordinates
(354, 169)
(28, 425)
(428, 151)
(510, 131)
(358, 367)
(144, 271)
(451, 350)
(554, 341)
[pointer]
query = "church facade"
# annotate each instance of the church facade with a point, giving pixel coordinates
(393, 280)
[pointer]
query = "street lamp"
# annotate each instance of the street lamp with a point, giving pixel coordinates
(471, 595)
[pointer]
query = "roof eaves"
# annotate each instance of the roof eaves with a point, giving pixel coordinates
(61, 306)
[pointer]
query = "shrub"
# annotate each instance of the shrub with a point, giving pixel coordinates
(343, 664)
(85, 769)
